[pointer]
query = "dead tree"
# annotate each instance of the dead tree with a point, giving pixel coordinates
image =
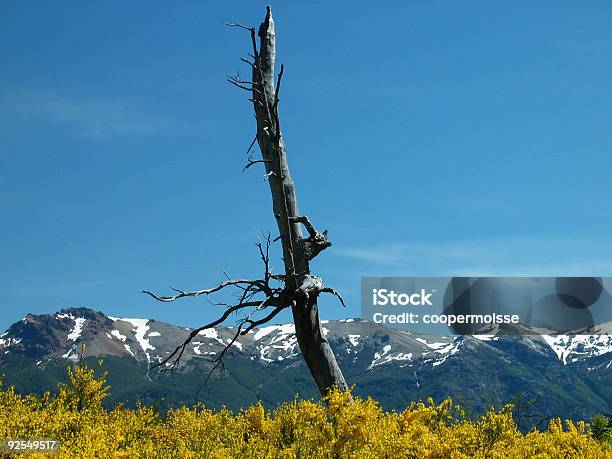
(297, 288)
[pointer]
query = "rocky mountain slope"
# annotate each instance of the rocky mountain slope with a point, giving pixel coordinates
(562, 375)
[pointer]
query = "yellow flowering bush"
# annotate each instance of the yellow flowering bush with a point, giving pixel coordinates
(340, 426)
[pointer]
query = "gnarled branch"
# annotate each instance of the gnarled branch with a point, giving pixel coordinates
(300, 289)
(233, 282)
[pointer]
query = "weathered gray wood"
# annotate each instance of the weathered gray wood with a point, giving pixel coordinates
(300, 289)
(297, 250)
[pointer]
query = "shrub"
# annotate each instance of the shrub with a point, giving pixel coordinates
(340, 426)
(601, 427)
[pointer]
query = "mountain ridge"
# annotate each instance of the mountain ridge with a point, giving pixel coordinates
(568, 374)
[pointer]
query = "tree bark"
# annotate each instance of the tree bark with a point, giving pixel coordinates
(297, 250)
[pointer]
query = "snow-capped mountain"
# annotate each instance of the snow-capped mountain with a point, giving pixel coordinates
(392, 365)
(59, 335)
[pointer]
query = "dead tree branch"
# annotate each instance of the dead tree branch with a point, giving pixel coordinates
(182, 294)
(298, 251)
(335, 293)
(248, 290)
(298, 289)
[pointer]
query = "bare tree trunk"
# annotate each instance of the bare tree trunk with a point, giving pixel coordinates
(300, 289)
(297, 250)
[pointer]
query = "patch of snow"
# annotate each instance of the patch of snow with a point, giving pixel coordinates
(211, 333)
(140, 331)
(558, 345)
(279, 338)
(127, 348)
(118, 335)
(262, 354)
(9, 342)
(378, 356)
(77, 330)
(283, 341)
(198, 351)
(400, 356)
(70, 356)
(451, 349)
(196, 347)
(288, 345)
(154, 334)
(434, 346)
(484, 337)
(386, 357)
(285, 329)
(354, 340)
(573, 347)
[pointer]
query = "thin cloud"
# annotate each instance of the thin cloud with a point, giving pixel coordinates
(90, 117)
(54, 288)
(541, 256)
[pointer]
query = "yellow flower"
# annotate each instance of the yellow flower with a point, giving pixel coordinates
(341, 426)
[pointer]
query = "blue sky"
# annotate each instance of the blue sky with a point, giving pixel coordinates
(429, 138)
